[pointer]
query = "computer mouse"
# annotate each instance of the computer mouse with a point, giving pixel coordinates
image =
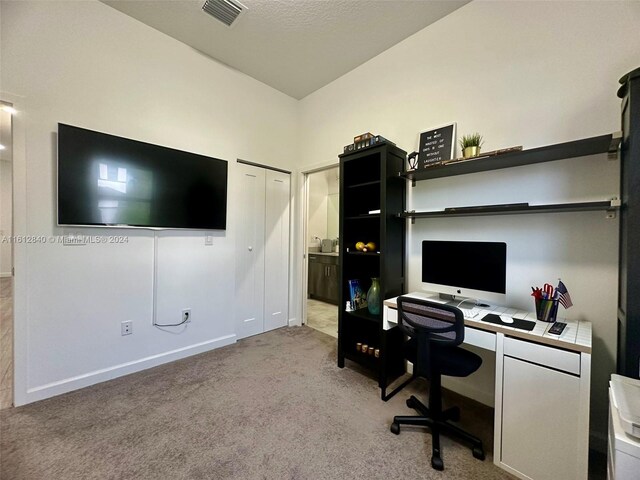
(506, 319)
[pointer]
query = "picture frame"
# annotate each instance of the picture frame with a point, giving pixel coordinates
(436, 145)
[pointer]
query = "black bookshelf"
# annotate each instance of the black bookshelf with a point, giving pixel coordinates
(369, 181)
(628, 361)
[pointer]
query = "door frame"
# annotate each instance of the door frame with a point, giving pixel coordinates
(19, 221)
(304, 222)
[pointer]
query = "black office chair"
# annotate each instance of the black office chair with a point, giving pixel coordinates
(435, 331)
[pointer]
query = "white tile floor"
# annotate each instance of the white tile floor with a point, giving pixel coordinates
(323, 317)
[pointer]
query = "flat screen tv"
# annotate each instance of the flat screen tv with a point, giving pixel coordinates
(105, 180)
(475, 265)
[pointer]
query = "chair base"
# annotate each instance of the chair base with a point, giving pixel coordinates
(438, 424)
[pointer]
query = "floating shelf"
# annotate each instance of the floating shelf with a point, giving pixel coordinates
(608, 205)
(365, 254)
(577, 148)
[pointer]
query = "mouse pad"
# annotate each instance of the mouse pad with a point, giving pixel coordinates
(517, 322)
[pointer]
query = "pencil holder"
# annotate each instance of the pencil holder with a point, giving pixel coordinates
(546, 310)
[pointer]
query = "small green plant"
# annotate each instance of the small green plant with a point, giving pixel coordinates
(473, 140)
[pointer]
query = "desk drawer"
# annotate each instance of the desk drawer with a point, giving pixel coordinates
(542, 355)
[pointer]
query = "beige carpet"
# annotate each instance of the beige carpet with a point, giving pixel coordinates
(274, 406)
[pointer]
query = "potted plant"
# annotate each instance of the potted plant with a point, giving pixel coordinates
(471, 144)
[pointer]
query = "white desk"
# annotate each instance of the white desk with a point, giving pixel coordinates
(542, 391)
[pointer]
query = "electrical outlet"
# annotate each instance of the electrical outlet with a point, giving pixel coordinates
(186, 315)
(126, 327)
(208, 239)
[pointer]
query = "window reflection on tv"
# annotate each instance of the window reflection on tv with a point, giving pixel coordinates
(105, 180)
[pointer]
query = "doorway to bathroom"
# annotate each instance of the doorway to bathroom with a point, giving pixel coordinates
(322, 223)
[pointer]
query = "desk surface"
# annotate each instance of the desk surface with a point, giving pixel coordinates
(575, 337)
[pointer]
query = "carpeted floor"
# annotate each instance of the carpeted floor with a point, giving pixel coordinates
(274, 406)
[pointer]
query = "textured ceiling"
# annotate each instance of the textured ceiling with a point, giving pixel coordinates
(295, 46)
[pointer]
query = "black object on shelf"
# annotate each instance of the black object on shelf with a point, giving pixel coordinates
(516, 209)
(628, 360)
(527, 325)
(560, 151)
(368, 182)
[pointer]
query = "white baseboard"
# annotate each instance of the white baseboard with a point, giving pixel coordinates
(295, 322)
(91, 378)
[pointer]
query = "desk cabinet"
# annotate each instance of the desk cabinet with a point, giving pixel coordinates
(539, 420)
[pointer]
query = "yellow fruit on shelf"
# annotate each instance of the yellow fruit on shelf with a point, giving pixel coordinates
(371, 246)
(360, 246)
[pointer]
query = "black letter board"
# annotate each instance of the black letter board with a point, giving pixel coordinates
(436, 145)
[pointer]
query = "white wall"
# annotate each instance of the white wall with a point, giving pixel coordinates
(521, 73)
(86, 64)
(318, 191)
(6, 260)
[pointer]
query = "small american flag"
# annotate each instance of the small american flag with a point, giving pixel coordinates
(563, 295)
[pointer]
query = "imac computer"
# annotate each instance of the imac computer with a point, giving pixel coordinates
(459, 270)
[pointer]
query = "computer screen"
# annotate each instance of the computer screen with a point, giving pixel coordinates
(475, 265)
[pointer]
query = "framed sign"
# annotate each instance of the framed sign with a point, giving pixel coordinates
(436, 145)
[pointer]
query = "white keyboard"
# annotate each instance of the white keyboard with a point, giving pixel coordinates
(470, 312)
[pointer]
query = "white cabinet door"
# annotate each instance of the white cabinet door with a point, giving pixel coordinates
(276, 298)
(250, 242)
(540, 421)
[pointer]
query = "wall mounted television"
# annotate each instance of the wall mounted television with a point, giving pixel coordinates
(107, 181)
(475, 265)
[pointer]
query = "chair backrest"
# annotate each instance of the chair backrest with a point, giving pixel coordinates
(432, 325)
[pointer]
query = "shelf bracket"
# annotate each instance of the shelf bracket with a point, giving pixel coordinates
(413, 219)
(614, 146)
(615, 205)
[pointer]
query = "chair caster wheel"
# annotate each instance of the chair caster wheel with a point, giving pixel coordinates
(478, 453)
(410, 403)
(395, 428)
(437, 463)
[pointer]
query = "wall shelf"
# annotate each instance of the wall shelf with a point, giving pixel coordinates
(560, 151)
(610, 206)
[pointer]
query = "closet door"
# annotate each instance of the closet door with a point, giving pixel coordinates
(250, 242)
(276, 298)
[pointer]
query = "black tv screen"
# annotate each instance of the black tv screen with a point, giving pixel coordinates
(105, 180)
(475, 265)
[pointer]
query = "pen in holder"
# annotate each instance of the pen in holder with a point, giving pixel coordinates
(546, 310)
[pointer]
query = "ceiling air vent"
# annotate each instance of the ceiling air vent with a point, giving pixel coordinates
(227, 11)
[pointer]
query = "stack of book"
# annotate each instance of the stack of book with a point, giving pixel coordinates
(365, 140)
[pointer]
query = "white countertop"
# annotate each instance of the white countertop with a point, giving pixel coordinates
(576, 335)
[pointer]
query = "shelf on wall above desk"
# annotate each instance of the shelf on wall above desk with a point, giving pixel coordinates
(560, 151)
(610, 206)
